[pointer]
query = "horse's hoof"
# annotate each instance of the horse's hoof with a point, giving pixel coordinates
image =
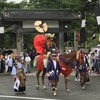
(68, 90)
(44, 87)
(83, 88)
(37, 87)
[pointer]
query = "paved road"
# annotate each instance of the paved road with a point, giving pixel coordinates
(92, 91)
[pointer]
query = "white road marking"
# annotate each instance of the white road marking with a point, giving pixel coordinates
(29, 98)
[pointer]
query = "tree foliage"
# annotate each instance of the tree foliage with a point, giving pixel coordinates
(79, 5)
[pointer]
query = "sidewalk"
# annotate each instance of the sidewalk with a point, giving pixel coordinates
(34, 70)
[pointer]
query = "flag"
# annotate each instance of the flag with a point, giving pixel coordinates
(83, 31)
(97, 12)
(1, 33)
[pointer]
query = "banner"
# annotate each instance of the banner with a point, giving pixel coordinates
(97, 12)
(83, 31)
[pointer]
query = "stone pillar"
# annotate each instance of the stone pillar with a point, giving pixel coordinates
(19, 38)
(61, 37)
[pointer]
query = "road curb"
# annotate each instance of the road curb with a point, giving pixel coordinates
(4, 74)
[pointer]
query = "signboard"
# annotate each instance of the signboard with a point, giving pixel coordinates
(30, 24)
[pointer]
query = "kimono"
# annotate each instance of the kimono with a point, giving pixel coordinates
(54, 73)
(83, 70)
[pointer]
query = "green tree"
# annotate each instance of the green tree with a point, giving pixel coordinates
(79, 5)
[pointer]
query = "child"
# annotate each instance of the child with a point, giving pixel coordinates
(53, 70)
(20, 76)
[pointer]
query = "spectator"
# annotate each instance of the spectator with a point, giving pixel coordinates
(10, 64)
(96, 62)
(28, 63)
(90, 60)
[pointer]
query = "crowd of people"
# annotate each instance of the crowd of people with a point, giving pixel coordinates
(7, 62)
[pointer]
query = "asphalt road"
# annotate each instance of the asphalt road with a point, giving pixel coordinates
(92, 91)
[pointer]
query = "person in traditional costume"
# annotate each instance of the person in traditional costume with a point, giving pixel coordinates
(50, 46)
(83, 66)
(53, 71)
(18, 72)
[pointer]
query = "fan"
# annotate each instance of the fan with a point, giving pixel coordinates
(40, 26)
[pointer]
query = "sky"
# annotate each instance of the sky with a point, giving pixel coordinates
(16, 1)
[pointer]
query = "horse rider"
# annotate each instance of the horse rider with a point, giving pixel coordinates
(50, 45)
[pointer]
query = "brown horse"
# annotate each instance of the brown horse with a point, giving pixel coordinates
(66, 60)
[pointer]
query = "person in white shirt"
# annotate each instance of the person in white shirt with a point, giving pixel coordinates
(28, 63)
(10, 64)
(90, 60)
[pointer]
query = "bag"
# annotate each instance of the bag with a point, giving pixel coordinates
(16, 84)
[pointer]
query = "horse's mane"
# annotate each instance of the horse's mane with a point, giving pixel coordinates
(68, 57)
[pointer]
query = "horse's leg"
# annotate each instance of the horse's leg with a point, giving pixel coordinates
(66, 85)
(37, 76)
(43, 76)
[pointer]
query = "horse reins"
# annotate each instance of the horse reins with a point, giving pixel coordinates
(66, 61)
